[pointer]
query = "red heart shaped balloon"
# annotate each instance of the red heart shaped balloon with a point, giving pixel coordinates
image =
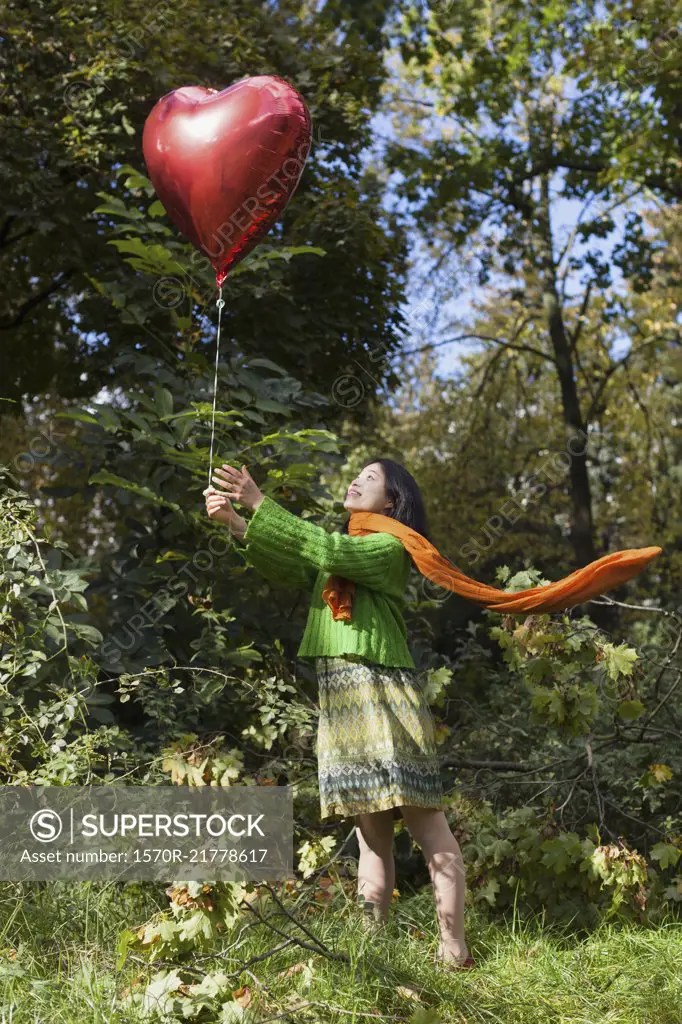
(225, 164)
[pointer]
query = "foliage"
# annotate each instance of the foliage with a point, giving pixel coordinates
(559, 662)
(76, 85)
(522, 859)
(57, 726)
(499, 130)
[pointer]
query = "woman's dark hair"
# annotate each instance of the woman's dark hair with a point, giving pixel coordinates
(402, 489)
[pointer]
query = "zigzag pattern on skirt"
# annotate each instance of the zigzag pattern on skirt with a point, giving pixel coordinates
(375, 745)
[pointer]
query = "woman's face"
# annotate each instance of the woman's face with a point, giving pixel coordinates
(367, 492)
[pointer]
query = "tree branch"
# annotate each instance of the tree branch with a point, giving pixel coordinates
(480, 337)
(561, 160)
(5, 241)
(575, 337)
(37, 299)
(612, 369)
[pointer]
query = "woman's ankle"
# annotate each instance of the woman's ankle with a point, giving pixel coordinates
(451, 950)
(372, 912)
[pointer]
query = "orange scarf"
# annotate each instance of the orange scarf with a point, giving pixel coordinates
(596, 578)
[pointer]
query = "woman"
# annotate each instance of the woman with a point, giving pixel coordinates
(375, 744)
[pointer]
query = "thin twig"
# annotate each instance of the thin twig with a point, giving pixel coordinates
(300, 924)
(321, 948)
(575, 781)
(661, 702)
(595, 782)
(635, 607)
(262, 956)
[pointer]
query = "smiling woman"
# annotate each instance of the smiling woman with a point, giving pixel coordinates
(375, 743)
(367, 493)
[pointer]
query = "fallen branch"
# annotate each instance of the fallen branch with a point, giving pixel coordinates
(321, 948)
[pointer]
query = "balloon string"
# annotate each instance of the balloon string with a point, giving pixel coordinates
(219, 303)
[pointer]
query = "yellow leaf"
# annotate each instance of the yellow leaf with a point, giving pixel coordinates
(242, 996)
(408, 993)
(661, 772)
(441, 732)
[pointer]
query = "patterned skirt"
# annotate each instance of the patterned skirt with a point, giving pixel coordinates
(375, 742)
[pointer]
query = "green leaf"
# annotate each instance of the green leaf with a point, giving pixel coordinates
(630, 709)
(489, 891)
(255, 417)
(153, 259)
(125, 169)
(666, 854)
(105, 477)
(268, 365)
(500, 849)
(85, 632)
(561, 853)
(124, 939)
(163, 400)
(109, 420)
(270, 405)
(259, 257)
(138, 419)
(68, 579)
(77, 414)
(619, 660)
(114, 206)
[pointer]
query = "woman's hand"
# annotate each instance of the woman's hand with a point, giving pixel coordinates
(220, 509)
(239, 485)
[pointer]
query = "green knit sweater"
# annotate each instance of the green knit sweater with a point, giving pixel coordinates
(292, 552)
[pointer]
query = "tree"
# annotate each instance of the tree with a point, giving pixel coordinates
(77, 85)
(516, 127)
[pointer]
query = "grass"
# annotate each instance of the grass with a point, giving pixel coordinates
(58, 962)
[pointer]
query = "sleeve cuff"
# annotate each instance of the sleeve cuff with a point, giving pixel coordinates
(257, 516)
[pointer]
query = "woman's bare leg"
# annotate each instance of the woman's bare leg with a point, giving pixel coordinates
(430, 829)
(376, 867)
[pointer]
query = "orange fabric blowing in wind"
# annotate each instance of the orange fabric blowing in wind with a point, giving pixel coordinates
(593, 579)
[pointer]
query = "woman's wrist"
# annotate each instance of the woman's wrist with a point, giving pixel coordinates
(257, 502)
(238, 528)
